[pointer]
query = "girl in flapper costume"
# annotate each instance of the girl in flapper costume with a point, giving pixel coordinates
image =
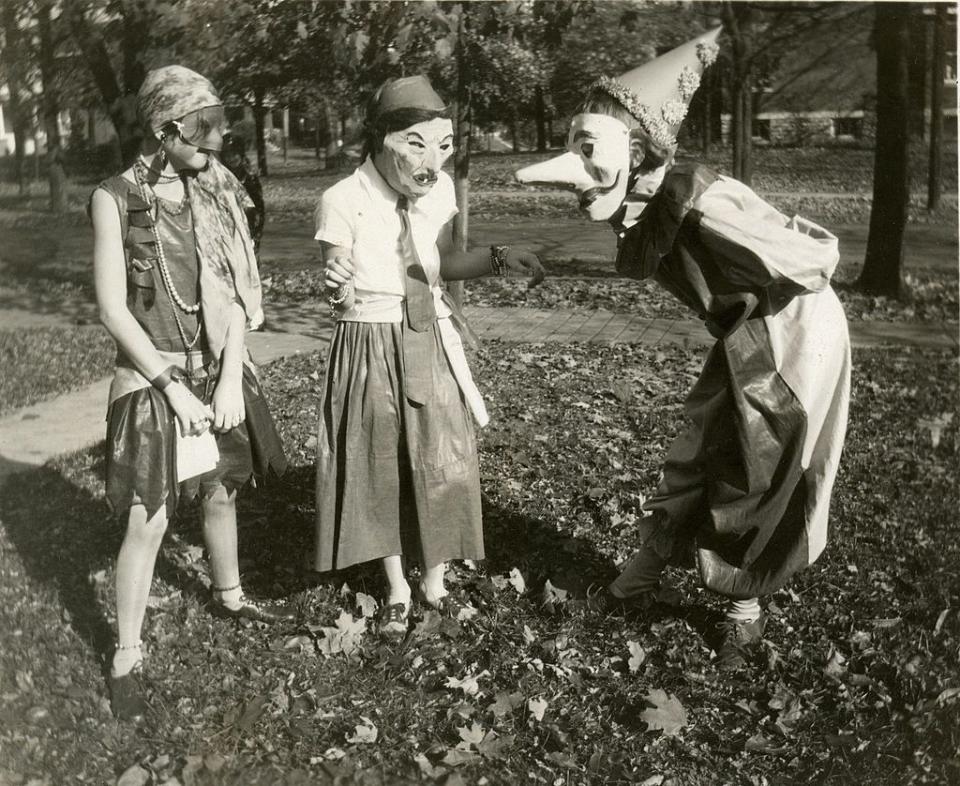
(177, 285)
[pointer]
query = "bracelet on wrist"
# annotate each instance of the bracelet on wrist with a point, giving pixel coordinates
(164, 379)
(498, 259)
(337, 297)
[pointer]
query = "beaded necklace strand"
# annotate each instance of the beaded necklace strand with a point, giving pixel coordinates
(139, 172)
(159, 174)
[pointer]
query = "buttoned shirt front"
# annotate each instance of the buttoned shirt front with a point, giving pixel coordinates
(359, 213)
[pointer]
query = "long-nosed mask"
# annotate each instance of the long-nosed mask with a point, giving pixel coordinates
(596, 165)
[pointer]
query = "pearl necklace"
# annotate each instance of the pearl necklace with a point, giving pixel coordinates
(161, 177)
(165, 271)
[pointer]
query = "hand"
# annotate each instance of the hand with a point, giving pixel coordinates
(194, 416)
(338, 272)
(338, 276)
(526, 262)
(228, 408)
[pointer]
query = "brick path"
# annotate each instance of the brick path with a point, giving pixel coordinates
(605, 327)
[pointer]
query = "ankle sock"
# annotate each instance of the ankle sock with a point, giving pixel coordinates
(744, 610)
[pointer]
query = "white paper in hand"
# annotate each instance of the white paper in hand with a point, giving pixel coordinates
(196, 455)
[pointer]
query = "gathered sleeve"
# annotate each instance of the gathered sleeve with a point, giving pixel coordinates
(759, 245)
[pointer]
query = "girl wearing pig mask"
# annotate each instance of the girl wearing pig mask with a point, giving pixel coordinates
(397, 470)
(747, 486)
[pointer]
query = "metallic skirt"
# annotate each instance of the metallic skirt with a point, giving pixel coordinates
(141, 447)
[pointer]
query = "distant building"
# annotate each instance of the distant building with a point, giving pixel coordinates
(824, 89)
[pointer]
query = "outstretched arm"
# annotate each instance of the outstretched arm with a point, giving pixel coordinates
(458, 265)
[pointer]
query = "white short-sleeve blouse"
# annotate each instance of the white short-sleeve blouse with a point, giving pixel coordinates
(360, 213)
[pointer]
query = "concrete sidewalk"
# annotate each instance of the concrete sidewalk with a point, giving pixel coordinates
(31, 436)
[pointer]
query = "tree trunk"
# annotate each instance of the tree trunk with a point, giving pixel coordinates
(332, 124)
(706, 104)
(882, 267)
(540, 110)
(515, 131)
(12, 60)
(918, 67)
(736, 17)
(120, 104)
(51, 110)
(746, 175)
(937, 74)
(461, 156)
(259, 120)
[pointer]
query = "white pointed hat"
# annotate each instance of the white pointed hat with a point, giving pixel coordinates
(658, 93)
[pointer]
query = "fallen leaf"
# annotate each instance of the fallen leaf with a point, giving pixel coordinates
(637, 656)
(456, 756)
(472, 736)
(364, 733)
(495, 747)
(134, 776)
(666, 713)
(345, 637)
(428, 768)
(835, 667)
(553, 595)
(760, 744)
(505, 703)
(536, 707)
(469, 685)
(252, 711)
(366, 605)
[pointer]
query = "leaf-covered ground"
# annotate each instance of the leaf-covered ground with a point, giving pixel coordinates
(856, 681)
(40, 363)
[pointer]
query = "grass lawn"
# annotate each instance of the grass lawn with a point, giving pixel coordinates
(856, 682)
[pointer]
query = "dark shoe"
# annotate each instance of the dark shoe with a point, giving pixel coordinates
(255, 610)
(393, 620)
(126, 697)
(454, 607)
(737, 637)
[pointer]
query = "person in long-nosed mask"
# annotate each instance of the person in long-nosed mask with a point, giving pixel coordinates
(747, 486)
(397, 469)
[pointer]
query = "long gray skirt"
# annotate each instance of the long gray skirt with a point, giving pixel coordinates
(393, 477)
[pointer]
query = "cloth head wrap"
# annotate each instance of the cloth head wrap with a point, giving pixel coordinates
(228, 265)
(170, 92)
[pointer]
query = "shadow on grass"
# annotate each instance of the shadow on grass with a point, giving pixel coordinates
(66, 537)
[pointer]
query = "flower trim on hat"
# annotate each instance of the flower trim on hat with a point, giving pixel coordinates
(707, 53)
(653, 125)
(673, 112)
(689, 82)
